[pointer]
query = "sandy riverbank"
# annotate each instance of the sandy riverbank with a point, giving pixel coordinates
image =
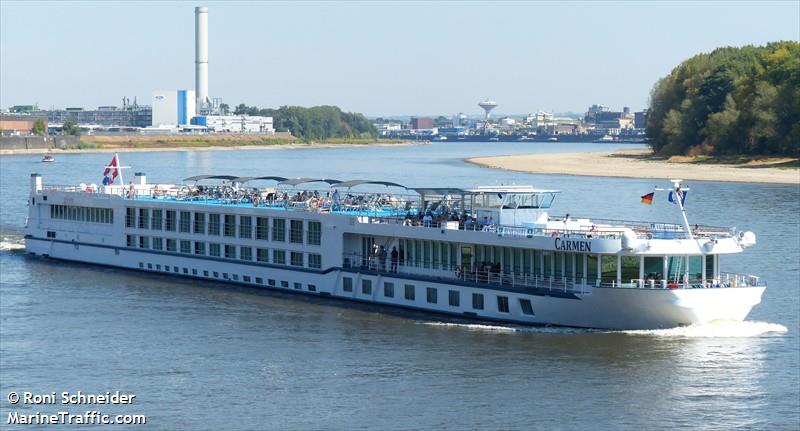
(641, 164)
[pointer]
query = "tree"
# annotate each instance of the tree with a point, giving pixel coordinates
(70, 127)
(224, 108)
(39, 127)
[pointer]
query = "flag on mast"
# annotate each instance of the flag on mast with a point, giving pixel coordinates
(678, 194)
(648, 198)
(111, 172)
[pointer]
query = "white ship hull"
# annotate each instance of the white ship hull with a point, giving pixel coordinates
(595, 307)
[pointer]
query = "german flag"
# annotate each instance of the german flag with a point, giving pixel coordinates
(648, 198)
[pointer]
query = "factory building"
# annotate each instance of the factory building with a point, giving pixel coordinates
(235, 123)
(129, 116)
(173, 107)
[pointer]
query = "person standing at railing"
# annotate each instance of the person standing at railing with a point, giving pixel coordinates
(382, 258)
(394, 256)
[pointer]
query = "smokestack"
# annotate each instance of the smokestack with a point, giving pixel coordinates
(201, 55)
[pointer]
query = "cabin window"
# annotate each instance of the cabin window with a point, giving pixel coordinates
(213, 250)
(312, 287)
(144, 242)
(200, 223)
(130, 240)
(526, 306)
(172, 245)
(559, 264)
(629, 267)
(296, 231)
(410, 293)
(547, 259)
(262, 228)
(502, 304)
(130, 214)
(608, 268)
(186, 221)
(52, 234)
(259, 280)
(314, 260)
(155, 219)
(347, 284)
(158, 243)
(296, 258)
(144, 218)
(298, 286)
(695, 268)
(591, 268)
(194, 271)
(271, 282)
(454, 298)
(170, 222)
(279, 257)
(432, 295)
(213, 224)
(246, 278)
(314, 233)
(262, 255)
(200, 248)
(477, 301)
(229, 228)
(388, 289)
(710, 266)
(245, 227)
(186, 246)
(245, 253)
(279, 229)
(653, 267)
(230, 251)
(366, 287)
(284, 284)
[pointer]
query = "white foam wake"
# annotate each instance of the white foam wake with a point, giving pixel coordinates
(717, 329)
(12, 244)
(472, 326)
(500, 328)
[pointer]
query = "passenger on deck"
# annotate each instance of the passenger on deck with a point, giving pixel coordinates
(394, 256)
(427, 219)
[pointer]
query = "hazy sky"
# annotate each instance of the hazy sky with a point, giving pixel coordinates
(381, 58)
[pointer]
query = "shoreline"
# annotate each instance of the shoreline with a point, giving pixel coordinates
(639, 164)
(189, 148)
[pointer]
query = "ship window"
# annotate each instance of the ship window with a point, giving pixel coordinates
(271, 282)
(194, 271)
(388, 289)
(213, 250)
(216, 274)
(166, 268)
(200, 248)
(312, 288)
(609, 268)
(235, 277)
(262, 255)
(175, 269)
(296, 258)
(225, 275)
(347, 284)
(477, 301)
(186, 219)
(130, 240)
(149, 266)
(366, 287)
(279, 229)
(410, 293)
(259, 280)
(502, 304)
(245, 227)
(279, 257)
(229, 228)
(710, 266)
(314, 261)
(284, 284)
(186, 246)
(158, 267)
(158, 243)
(199, 223)
(185, 270)
(245, 253)
(155, 219)
(213, 224)
(314, 233)
(454, 298)
(144, 216)
(296, 231)
(432, 295)
(144, 242)
(52, 234)
(141, 265)
(230, 251)
(262, 228)
(205, 273)
(130, 213)
(629, 268)
(298, 286)
(169, 223)
(525, 304)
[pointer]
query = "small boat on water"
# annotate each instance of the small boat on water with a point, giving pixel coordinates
(48, 158)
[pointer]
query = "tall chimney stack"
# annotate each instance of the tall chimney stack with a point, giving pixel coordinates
(201, 55)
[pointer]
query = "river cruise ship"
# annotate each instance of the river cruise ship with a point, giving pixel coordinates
(487, 253)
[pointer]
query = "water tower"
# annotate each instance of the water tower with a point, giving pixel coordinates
(487, 106)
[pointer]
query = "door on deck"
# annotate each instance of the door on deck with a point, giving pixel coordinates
(367, 243)
(466, 259)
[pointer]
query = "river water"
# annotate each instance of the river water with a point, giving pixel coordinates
(200, 356)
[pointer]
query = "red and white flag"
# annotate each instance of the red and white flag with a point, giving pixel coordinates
(112, 171)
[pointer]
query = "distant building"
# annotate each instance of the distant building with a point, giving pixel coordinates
(235, 123)
(173, 107)
(103, 116)
(19, 124)
(421, 123)
(606, 121)
(640, 119)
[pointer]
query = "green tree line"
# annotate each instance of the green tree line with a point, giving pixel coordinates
(315, 123)
(742, 101)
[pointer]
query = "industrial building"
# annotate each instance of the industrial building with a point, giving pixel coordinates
(130, 116)
(20, 124)
(173, 107)
(235, 123)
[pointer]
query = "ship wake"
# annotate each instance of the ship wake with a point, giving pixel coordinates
(717, 329)
(10, 242)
